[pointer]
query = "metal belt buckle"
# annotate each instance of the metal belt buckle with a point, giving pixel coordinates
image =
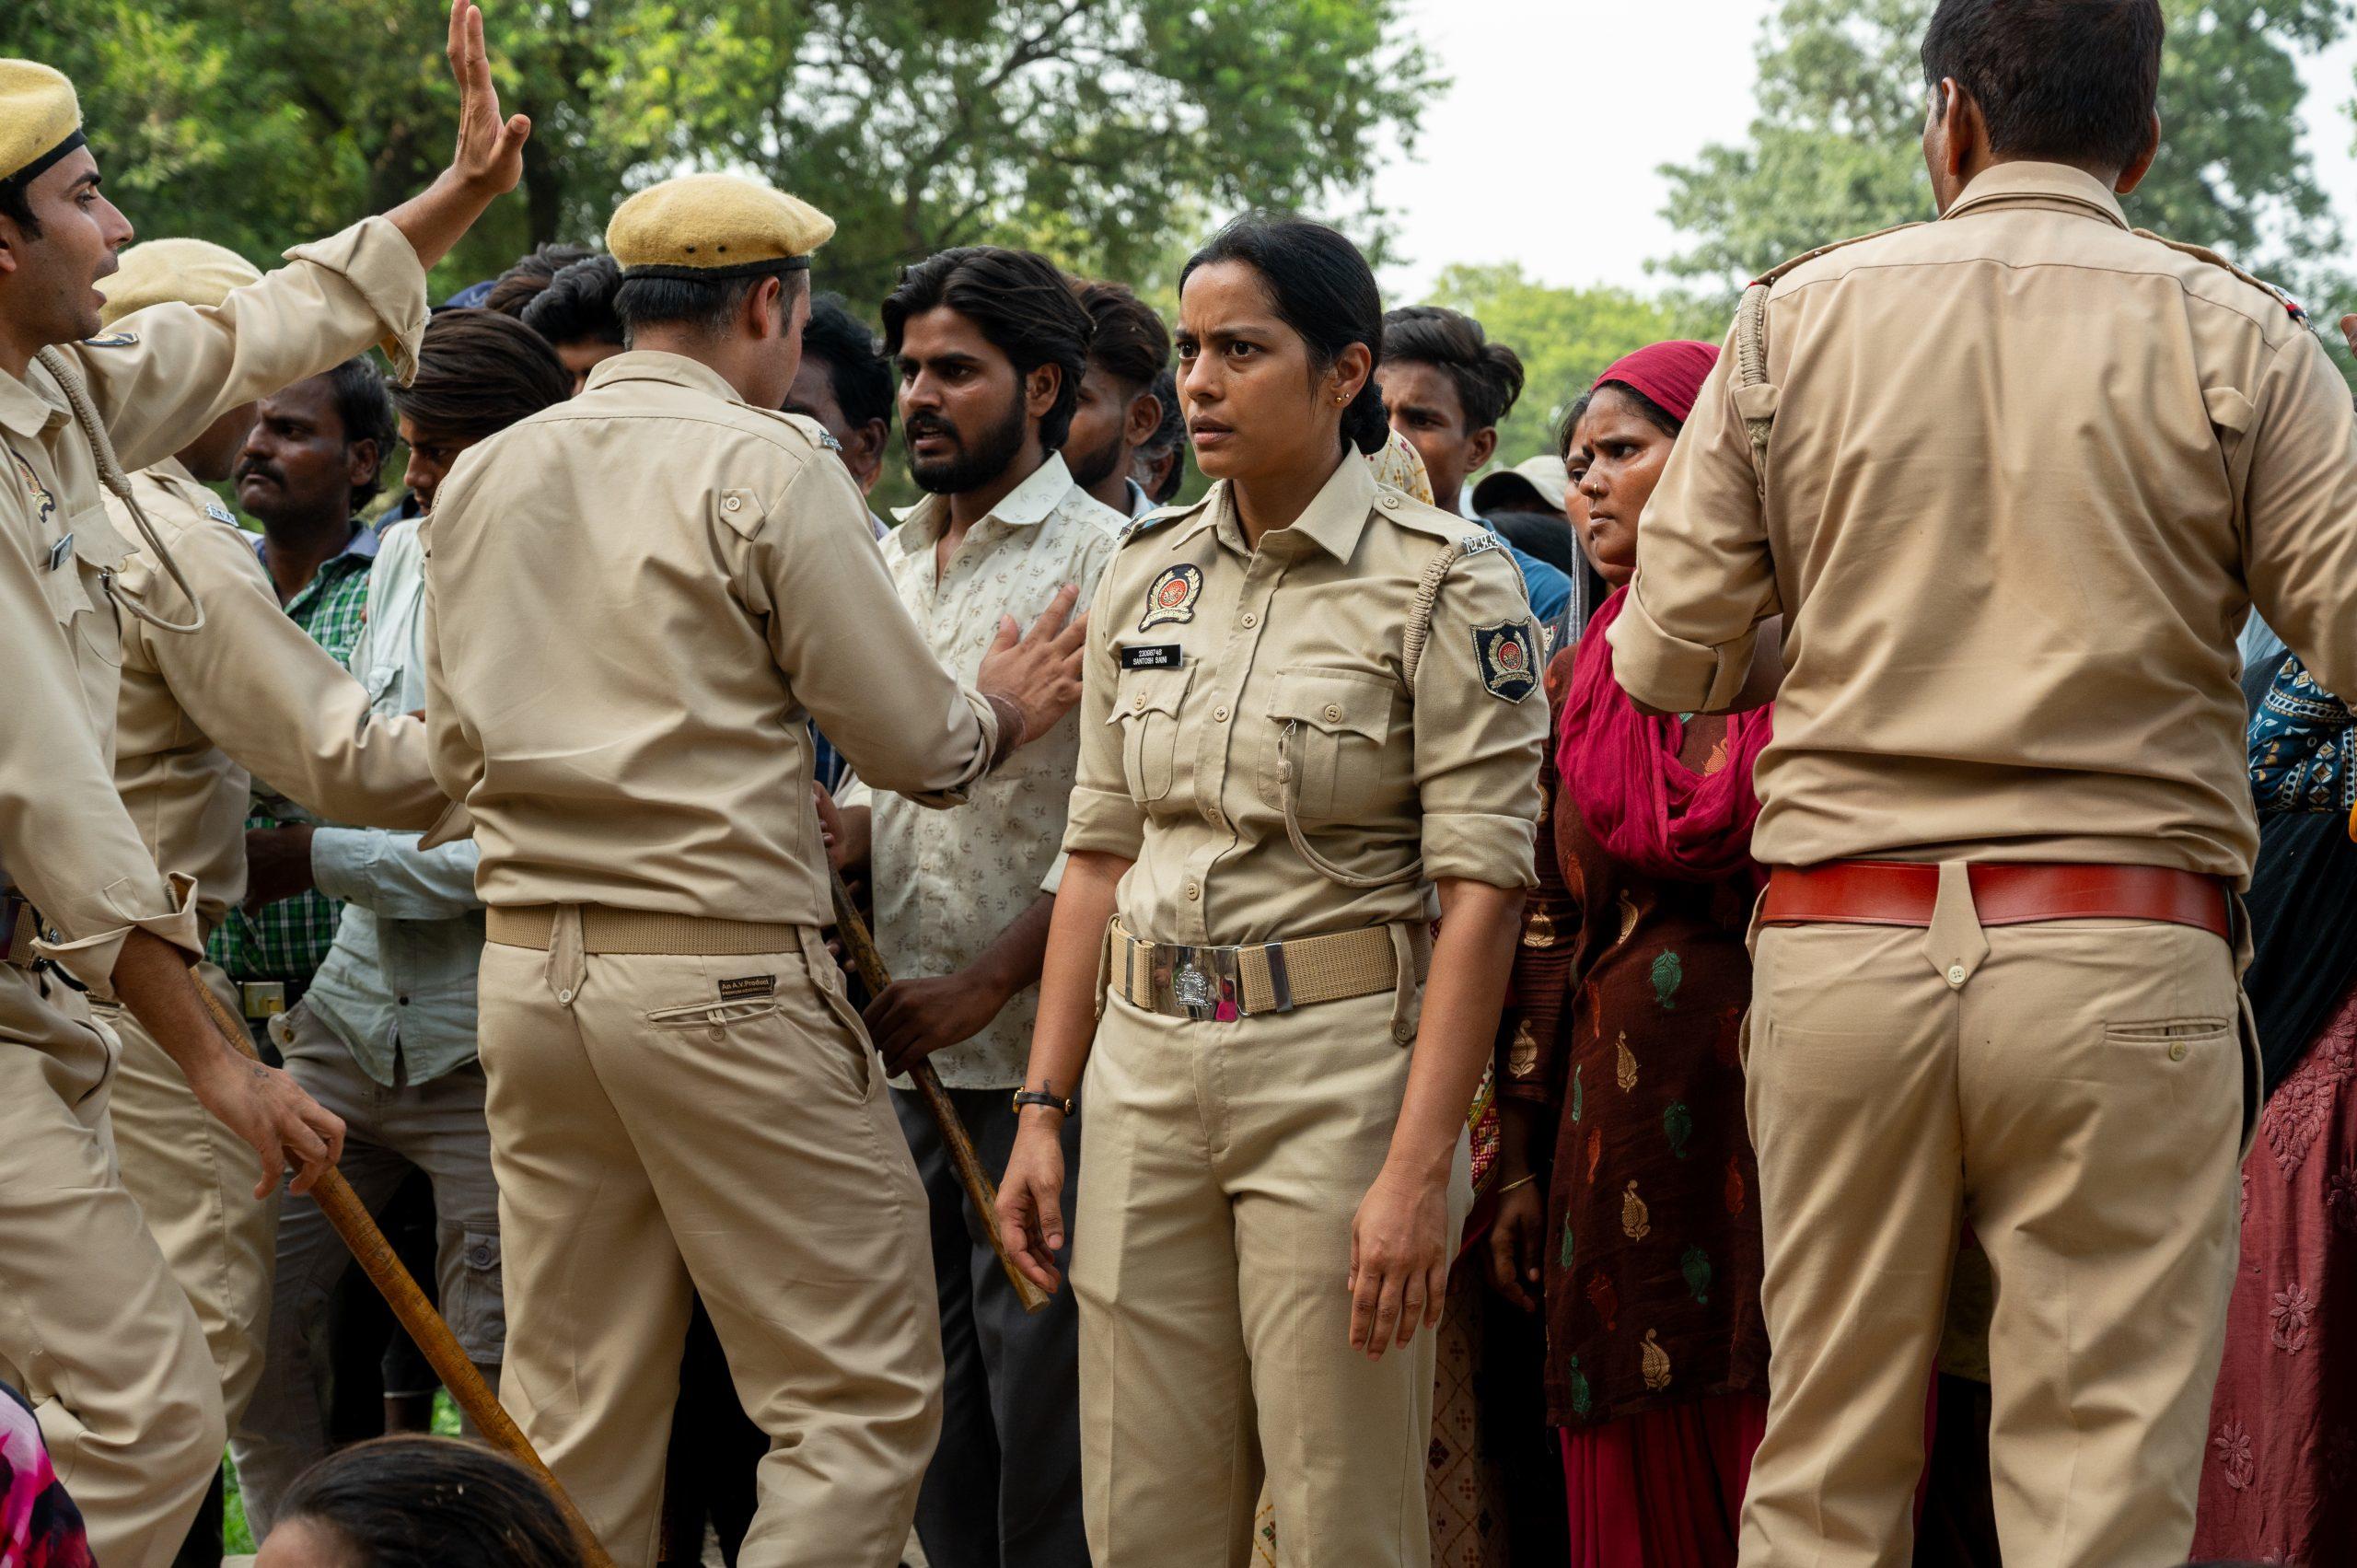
(1201, 980)
(263, 998)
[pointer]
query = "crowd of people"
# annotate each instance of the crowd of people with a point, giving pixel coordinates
(1773, 984)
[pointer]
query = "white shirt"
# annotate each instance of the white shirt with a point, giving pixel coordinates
(948, 882)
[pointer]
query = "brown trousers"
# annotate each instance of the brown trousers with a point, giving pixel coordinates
(92, 1328)
(650, 1137)
(2077, 1092)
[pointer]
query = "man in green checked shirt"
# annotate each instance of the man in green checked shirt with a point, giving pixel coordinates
(311, 463)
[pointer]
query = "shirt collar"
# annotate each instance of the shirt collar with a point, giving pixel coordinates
(1028, 505)
(1140, 502)
(2028, 183)
(654, 365)
(361, 548)
(1333, 521)
(25, 409)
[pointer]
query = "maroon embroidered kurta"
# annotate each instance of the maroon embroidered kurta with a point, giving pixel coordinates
(1624, 1020)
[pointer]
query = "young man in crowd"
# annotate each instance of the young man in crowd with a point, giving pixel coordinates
(1445, 387)
(386, 1035)
(1159, 465)
(517, 288)
(575, 314)
(845, 384)
(314, 459)
(1119, 409)
(991, 347)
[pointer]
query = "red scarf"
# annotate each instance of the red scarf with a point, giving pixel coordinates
(1621, 769)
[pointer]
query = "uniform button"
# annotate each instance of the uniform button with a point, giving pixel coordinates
(1956, 974)
(1333, 714)
(2176, 1050)
(1194, 891)
(1250, 620)
(1391, 503)
(1137, 704)
(732, 503)
(1219, 715)
(565, 996)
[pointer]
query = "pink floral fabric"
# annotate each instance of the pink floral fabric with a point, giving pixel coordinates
(39, 1526)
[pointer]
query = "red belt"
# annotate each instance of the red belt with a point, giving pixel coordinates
(1890, 892)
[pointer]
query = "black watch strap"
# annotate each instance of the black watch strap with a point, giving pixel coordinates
(1033, 1097)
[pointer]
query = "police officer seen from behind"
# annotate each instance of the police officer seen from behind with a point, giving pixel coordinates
(2013, 478)
(636, 602)
(1310, 724)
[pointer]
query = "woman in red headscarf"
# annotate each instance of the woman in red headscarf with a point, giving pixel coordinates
(1628, 1203)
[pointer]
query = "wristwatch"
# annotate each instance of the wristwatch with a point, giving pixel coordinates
(1033, 1097)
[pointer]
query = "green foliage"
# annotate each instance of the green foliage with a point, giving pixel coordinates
(1835, 148)
(1565, 336)
(1105, 132)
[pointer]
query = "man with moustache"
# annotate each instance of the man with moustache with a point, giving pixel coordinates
(313, 459)
(991, 347)
(1119, 410)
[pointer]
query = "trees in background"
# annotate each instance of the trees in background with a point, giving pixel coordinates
(1098, 130)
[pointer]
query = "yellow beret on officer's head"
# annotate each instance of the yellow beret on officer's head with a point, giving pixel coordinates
(191, 272)
(40, 120)
(715, 225)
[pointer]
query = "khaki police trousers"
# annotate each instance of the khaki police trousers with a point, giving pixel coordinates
(2077, 1092)
(1211, 1254)
(194, 1181)
(92, 1328)
(651, 1137)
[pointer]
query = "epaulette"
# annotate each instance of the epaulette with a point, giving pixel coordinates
(1805, 257)
(2204, 253)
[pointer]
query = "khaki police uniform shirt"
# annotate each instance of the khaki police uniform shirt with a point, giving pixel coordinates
(1222, 681)
(155, 381)
(947, 884)
(249, 686)
(2028, 474)
(636, 601)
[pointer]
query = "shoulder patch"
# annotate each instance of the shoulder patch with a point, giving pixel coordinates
(1171, 598)
(218, 512)
(113, 340)
(1508, 655)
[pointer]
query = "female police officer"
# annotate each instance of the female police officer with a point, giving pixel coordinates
(1306, 723)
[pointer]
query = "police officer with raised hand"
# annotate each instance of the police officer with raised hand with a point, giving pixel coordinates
(2013, 478)
(97, 1334)
(636, 600)
(1309, 724)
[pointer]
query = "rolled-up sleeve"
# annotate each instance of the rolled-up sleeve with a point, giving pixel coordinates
(165, 373)
(1477, 747)
(1104, 819)
(1705, 578)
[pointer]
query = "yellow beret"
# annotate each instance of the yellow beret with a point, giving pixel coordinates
(715, 225)
(40, 120)
(191, 272)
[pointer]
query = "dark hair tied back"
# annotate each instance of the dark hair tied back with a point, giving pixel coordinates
(1324, 290)
(431, 1503)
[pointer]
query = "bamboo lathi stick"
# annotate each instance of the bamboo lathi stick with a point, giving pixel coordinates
(376, 1258)
(981, 1190)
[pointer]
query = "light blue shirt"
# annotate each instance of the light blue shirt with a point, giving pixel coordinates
(398, 986)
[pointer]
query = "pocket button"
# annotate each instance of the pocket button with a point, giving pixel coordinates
(1333, 714)
(2176, 1050)
(1956, 974)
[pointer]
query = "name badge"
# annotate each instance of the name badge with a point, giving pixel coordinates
(1150, 656)
(61, 552)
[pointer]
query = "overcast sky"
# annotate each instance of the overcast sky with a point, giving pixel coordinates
(1544, 148)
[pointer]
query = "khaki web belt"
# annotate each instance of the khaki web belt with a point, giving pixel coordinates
(605, 930)
(1269, 977)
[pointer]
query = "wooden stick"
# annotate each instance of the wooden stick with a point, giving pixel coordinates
(376, 1258)
(981, 1190)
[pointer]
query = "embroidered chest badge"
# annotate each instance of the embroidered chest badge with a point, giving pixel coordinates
(44, 504)
(1172, 597)
(1509, 665)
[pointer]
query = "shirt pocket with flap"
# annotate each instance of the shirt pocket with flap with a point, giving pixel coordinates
(77, 584)
(1147, 705)
(1325, 748)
